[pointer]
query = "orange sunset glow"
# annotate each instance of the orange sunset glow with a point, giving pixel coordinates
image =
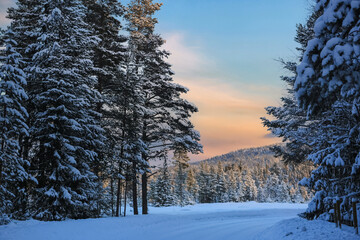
(229, 115)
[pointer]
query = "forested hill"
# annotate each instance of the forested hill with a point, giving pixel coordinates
(249, 157)
(252, 174)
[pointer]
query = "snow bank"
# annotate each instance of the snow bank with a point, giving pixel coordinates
(219, 221)
(225, 207)
(302, 229)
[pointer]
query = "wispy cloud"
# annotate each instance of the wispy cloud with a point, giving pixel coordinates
(186, 59)
(229, 112)
(4, 5)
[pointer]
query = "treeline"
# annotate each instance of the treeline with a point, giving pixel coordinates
(229, 181)
(87, 99)
(319, 117)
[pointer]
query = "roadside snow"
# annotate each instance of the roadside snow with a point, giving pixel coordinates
(225, 221)
(301, 229)
(225, 207)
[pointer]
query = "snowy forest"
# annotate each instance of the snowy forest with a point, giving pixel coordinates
(88, 104)
(87, 101)
(245, 175)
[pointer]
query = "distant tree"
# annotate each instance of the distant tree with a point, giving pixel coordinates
(249, 187)
(206, 181)
(220, 184)
(181, 165)
(232, 186)
(162, 194)
(191, 185)
(210, 182)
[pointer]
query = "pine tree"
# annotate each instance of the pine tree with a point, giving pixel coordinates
(65, 129)
(206, 182)
(232, 193)
(24, 24)
(162, 191)
(108, 56)
(327, 88)
(249, 187)
(181, 164)
(191, 185)
(220, 184)
(165, 123)
(13, 168)
(292, 123)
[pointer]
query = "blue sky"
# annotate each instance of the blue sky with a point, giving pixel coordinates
(225, 52)
(233, 46)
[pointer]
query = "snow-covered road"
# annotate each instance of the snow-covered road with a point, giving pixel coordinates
(204, 221)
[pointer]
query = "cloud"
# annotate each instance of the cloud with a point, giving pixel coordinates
(186, 59)
(4, 5)
(229, 112)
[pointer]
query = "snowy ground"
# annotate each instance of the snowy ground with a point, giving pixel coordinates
(201, 222)
(301, 229)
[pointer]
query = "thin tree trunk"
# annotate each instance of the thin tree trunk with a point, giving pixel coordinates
(144, 182)
(134, 190)
(125, 194)
(112, 196)
(118, 197)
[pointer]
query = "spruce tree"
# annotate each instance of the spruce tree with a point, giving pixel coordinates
(162, 193)
(65, 131)
(191, 185)
(13, 168)
(220, 184)
(206, 181)
(327, 86)
(181, 164)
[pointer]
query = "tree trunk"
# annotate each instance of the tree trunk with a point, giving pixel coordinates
(134, 190)
(144, 182)
(125, 195)
(118, 198)
(112, 196)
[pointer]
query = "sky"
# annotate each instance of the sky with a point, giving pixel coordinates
(225, 52)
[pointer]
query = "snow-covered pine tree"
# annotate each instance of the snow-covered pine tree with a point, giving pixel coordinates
(181, 165)
(108, 56)
(327, 87)
(65, 127)
(24, 24)
(13, 168)
(220, 184)
(206, 182)
(191, 185)
(24, 18)
(231, 186)
(292, 123)
(166, 115)
(162, 194)
(249, 187)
